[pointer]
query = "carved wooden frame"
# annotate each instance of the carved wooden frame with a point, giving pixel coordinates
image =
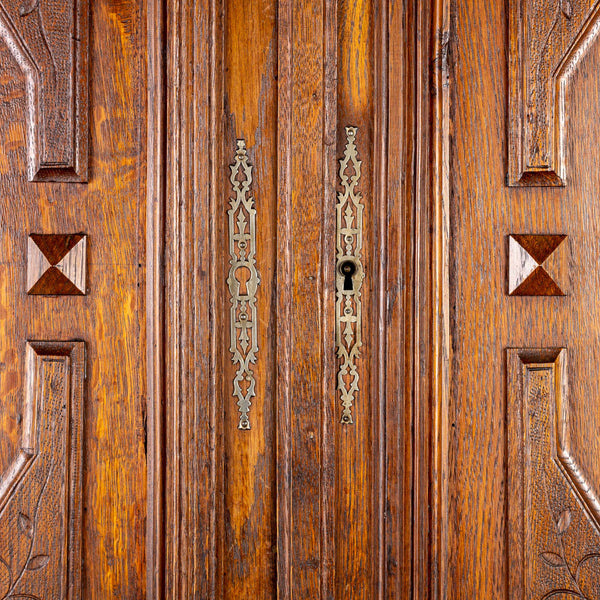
(537, 388)
(542, 122)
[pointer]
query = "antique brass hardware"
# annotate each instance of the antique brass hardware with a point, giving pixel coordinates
(243, 281)
(349, 275)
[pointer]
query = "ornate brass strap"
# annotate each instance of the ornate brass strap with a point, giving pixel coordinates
(349, 275)
(243, 282)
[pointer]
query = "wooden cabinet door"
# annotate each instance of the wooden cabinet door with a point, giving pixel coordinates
(203, 300)
(298, 299)
(72, 300)
(287, 299)
(523, 410)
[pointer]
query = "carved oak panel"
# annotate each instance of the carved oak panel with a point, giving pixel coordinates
(40, 494)
(554, 537)
(49, 40)
(547, 40)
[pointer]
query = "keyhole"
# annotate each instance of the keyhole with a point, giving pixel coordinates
(242, 274)
(348, 269)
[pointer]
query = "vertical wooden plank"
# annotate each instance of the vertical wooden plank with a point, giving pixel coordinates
(330, 411)
(357, 445)
(284, 300)
(155, 225)
(249, 114)
(435, 579)
(193, 64)
(397, 48)
(427, 369)
(307, 296)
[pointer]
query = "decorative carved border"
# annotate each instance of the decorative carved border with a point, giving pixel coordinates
(243, 281)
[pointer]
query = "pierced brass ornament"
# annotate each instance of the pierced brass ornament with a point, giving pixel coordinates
(349, 275)
(243, 281)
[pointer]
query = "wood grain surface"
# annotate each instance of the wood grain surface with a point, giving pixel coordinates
(110, 319)
(485, 320)
(299, 505)
(470, 469)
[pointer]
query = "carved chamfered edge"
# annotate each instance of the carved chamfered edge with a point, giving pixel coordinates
(546, 43)
(49, 40)
(41, 492)
(548, 492)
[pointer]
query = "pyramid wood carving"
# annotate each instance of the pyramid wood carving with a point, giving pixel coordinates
(537, 265)
(56, 264)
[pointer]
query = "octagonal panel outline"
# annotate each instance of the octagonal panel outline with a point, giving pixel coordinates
(27, 452)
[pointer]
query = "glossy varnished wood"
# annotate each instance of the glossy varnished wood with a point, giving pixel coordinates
(110, 319)
(485, 320)
(299, 505)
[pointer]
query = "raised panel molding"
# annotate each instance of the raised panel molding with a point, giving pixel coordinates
(49, 40)
(40, 494)
(554, 514)
(547, 40)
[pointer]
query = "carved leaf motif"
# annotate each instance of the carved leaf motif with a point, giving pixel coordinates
(38, 562)
(5, 577)
(567, 8)
(563, 521)
(25, 525)
(563, 593)
(552, 559)
(28, 7)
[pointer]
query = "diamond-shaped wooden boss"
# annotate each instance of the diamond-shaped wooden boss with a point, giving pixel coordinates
(536, 265)
(56, 264)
